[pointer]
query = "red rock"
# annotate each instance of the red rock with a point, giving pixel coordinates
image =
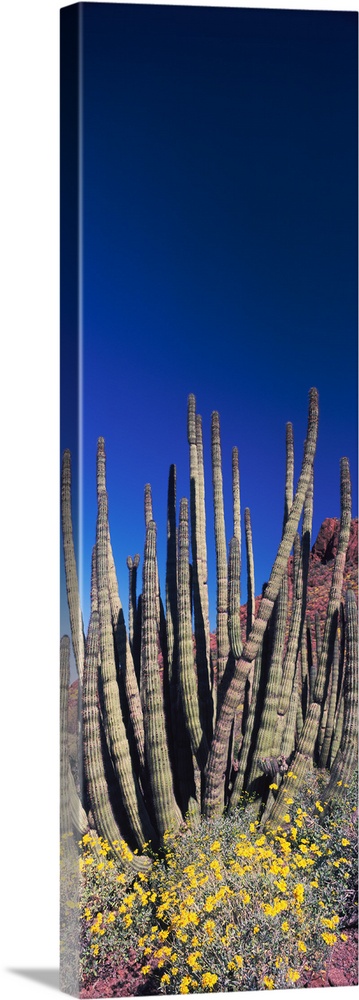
(336, 977)
(326, 544)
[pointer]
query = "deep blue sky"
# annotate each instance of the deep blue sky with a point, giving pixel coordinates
(219, 210)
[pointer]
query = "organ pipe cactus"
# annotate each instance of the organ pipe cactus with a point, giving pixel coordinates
(151, 758)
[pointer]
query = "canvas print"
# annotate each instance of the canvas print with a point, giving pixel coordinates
(209, 651)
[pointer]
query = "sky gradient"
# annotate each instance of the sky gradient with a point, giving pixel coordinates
(218, 238)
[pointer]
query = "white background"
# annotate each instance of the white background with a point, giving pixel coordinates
(29, 401)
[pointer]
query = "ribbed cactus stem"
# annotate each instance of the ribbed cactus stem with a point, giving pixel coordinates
(166, 810)
(346, 759)
(289, 475)
(308, 736)
(148, 504)
(132, 566)
(97, 787)
(119, 748)
(199, 564)
(246, 747)
(304, 679)
(171, 584)
(72, 587)
(332, 696)
(216, 762)
(338, 729)
(128, 679)
(250, 571)
(221, 550)
(318, 638)
(182, 754)
(265, 738)
(236, 493)
(291, 653)
(203, 576)
(337, 580)
(190, 699)
(65, 818)
(79, 819)
(292, 718)
(234, 608)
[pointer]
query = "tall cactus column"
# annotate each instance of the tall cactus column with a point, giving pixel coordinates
(216, 765)
(346, 759)
(221, 551)
(166, 811)
(119, 748)
(127, 677)
(188, 680)
(199, 564)
(72, 587)
(306, 745)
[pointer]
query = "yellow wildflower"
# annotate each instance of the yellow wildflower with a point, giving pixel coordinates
(298, 892)
(301, 946)
(185, 984)
(209, 980)
(331, 923)
(245, 897)
(273, 786)
(329, 938)
(268, 983)
(145, 970)
(192, 960)
(216, 846)
(293, 975)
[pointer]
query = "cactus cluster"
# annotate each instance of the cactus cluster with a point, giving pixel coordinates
(171, 729)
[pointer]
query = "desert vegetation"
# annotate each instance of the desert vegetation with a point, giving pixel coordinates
(214, 801)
